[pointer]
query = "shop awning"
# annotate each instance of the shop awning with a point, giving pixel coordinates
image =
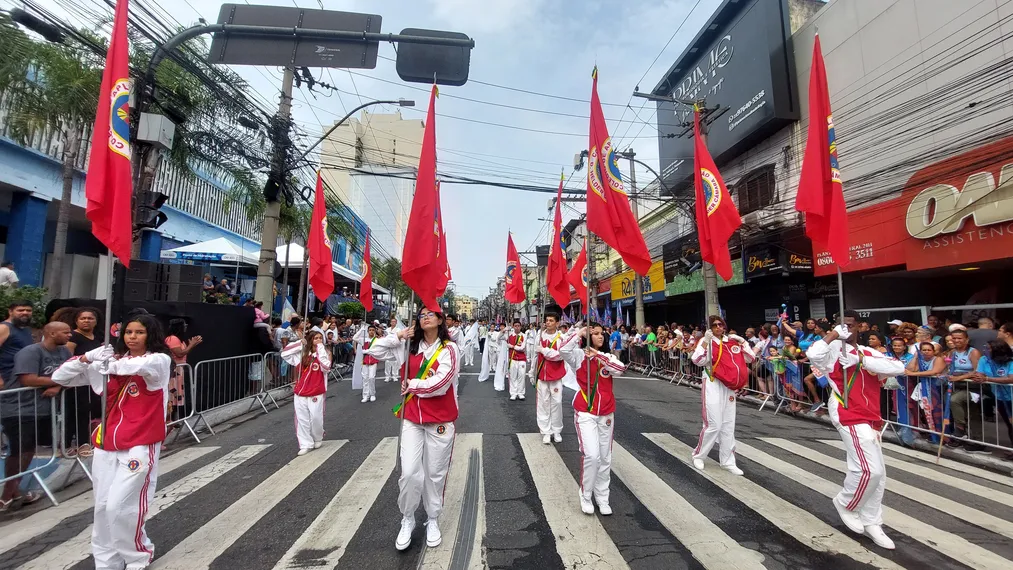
(295, 251)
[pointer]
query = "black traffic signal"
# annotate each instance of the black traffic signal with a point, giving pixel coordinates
(148, 214)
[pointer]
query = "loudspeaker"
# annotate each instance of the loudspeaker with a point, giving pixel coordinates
(142, 270)
(184, 293)
(189, 274)
(133, 291)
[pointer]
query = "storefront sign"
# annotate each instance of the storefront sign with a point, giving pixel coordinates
(769, 259)
(694, 281)
(653, 282)
(955, 212)
(798, 262)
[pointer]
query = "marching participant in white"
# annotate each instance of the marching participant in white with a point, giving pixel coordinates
(726, 370)
(470, 343)
(454, 329)
(488, 355)
(369, 367)
(390, 367)
(428, 413)
(518, 361)
(857, 374)
(125, 465)
(502, 360)
(312, 364)
(548, 376)
(594, 407)
(532, 342)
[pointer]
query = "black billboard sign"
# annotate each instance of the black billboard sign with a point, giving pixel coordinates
(742, 63)
(761, 260)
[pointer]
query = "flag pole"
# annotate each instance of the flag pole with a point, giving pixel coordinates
(404, 383)
(110, 275)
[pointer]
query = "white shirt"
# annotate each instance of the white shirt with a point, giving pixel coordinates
(8, 277)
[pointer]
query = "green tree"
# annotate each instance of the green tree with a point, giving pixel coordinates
(387, 274)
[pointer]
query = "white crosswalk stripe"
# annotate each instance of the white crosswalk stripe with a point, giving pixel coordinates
(955, 465)
(580, 541)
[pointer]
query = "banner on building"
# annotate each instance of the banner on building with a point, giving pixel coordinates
(654, 285)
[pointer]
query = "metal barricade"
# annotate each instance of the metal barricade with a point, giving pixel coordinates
(638, 357)
(79, 413)
(278, 375)
(791, 383)
(182, 401)
(224, 382)
(29, 423)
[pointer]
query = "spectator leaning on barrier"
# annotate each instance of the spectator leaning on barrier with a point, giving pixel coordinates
(996, 366)
(27, 420)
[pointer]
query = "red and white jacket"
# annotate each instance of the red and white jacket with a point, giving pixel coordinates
(604, 367)
(434, 398)
(312, 382)
(549, 363)
(518, 346)
(135, 402)
(866, 376)
(728, 357)
(368, 359)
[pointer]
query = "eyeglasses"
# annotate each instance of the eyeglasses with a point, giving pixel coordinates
(427, 315)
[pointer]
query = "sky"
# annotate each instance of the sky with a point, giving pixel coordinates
(542, 46)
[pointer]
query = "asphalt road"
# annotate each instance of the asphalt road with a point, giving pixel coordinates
(242, 500)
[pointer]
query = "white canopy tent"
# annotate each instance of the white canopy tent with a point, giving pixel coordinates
(295, 252)
(218, 251)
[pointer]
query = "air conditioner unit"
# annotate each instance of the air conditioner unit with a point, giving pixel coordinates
(752, 218)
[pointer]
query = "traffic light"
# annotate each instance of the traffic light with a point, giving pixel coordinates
(148, 214)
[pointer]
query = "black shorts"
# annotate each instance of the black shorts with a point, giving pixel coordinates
(26, 434)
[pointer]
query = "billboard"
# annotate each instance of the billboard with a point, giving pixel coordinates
(742, 63)
(654, 285)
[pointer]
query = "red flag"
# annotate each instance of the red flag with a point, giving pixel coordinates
(441, 254)
(555, 276)
(514, 276)
(108, 185)
(321, 272)
(420, 265)
(578, 275)
(608, 208)
(820, 194)
(716, 215)
(366, 286)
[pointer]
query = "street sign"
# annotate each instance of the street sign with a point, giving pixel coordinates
(256, 49)
(422, 63)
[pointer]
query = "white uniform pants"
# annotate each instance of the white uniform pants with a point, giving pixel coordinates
(124, 484)
(389, 371)
(368, 381)
(549, 407)
(469, 355)
(595, 436)
(517, 371)
(865, 482)
(426, 450)
(309, 420)
(718, 422)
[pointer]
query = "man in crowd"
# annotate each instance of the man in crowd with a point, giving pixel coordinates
(483, 333)
(982, 335)
(26, 419)
(7, 276)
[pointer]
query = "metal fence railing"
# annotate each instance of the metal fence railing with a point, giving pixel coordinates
(222, 382)
(28, 420)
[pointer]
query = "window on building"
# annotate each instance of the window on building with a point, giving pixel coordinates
(756, 189)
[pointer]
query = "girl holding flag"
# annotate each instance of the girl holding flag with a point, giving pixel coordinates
(369, 368)
(312, 362)
(594, 407)
(428, 413)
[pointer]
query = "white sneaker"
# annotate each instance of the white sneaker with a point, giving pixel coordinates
(586, 507)
(698, 463)
(303, 451)
(851, 520)
(404, 537)
(317, 445)
(512, 398)
(875, 532)
(364, 400)
(604, 508)
(372, 398)
(521, 397)
(433, 536)
(557, 438)
(733, 470)
(546, 439)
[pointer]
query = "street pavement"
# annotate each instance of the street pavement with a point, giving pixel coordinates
(243, 500)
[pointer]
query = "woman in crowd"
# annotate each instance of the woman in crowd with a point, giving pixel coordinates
(312, 362)
(903, 406)
(428, 412)
(997, 367)
(963, 366)
(81, 408)
(125, 465)
(594, 408)
(924, 334)
(907, 332)
(926, 367)
(179, 350)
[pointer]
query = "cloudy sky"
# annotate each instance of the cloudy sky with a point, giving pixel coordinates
(541, 46)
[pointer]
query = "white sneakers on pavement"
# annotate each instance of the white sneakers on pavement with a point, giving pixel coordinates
(404, 536)
(433, 536)
(557, 438)
(586, 507)
(521, 397)
(875, 532)
(303, 451)
(852, 520)
(364, 400)
(733, 470)
(317, 445)
(513, 397)
(546, 439)
(698, 463)
(604, 508)
(372, 398)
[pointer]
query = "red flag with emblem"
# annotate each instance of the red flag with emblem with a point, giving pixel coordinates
(321, 272)
(513, 279)
(108, 187)
(441, 255)
(421, 269)
(608, 208)
(366, 286)
(716, 215)
(555, 274)
(820, 193)
(578, 275)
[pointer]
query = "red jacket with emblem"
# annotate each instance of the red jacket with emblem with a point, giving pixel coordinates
(549, 363)
(368, 359)
(517, 347)
(433, 397)
(866, 377)
(136, 398)
(729, 360)
(311, 381)
(603, 368)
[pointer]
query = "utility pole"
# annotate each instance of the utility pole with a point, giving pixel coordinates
(638, 281)
(264, 290)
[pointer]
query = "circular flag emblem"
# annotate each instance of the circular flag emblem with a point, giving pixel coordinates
(583, 276)
(511, 269)
(119, 118)
(133, 465)
(736, 349)
(711, 190)
(314, 367)
(441, 429)
(133, 390)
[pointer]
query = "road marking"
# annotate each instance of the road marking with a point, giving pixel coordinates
(708, 543)
(439, 558)
(949, 544)
(73, 551)
(324, 542)
(581, 541)
(42, 522)
(940, 477)
(942, 504)
(797, 523)
(956, 465)
(201, 548)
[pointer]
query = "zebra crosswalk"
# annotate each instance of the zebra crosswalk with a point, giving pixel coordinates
(259, 507)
